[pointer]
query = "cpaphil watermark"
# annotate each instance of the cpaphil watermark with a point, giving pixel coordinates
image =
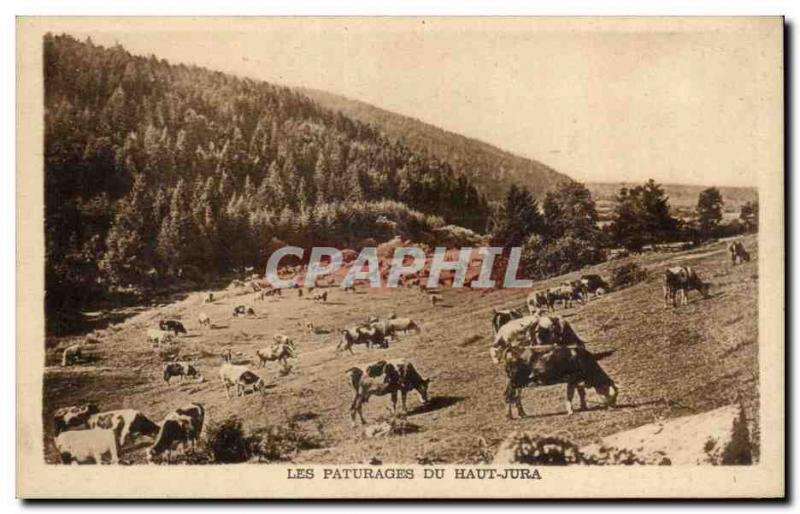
(474, 267)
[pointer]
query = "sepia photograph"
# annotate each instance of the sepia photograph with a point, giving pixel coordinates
(400, 257)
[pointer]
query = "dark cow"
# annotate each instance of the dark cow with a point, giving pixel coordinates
(76, 416)
(382, 378)
(501, 317)
(544, 365)
(239, 310)
(738, 253)
(681, 279)
(182, 426)
(172, 325)
(180, 369)
(594, 283)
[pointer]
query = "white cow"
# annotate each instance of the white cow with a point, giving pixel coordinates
(158, 336)
(87, 446)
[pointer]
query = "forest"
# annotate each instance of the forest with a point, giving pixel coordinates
(154, 169)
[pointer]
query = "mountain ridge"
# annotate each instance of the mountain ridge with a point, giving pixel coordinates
(468, 155)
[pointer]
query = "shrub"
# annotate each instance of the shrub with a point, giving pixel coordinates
(227, 442)
(280, 442)
(627, 275)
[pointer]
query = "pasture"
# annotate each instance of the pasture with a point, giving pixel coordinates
(667, 362)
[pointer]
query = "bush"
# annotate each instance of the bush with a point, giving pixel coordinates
(228, 443)
(627, 275)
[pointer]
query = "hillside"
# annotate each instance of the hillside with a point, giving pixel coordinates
(667, 362)
(155, 169)
(491, 168)
(682, 197)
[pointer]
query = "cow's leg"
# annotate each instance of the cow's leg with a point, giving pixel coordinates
(403, 395)
(394, 402)
(570, 394)
(582, 396)
(520, 411)
(666, 297)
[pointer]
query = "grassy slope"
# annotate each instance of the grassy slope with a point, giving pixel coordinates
(492, 168)
(668, 362)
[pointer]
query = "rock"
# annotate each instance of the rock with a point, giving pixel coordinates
(718, 437)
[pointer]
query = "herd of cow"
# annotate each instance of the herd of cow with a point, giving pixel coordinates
(535, 349)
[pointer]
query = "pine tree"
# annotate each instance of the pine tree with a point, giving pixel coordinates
(709, 211)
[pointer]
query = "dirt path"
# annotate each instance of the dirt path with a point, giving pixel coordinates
(667, 362)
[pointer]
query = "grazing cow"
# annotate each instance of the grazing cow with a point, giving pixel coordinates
(540, 300)
(204, 320)
(500, 318)
(87, 446)
(281, 350)
(239, 310)
(738, 253)
(72, 354)
(382, 378)
(322, 297)
(555, 364)
(436, 298)
(679, 280)
(238, 376)
(75, 416)
(533, 330)
(180, 369)
(594, 284)
(352, 336)
(172, 325)
(181, 427)
(395, 325)
(566, 293)
(158, 337)
(124, 423)
(209, 298)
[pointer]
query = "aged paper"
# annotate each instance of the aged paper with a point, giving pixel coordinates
(287, 258)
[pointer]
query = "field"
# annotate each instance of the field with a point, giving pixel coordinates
(666, 362)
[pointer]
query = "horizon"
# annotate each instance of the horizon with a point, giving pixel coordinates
(693, 105)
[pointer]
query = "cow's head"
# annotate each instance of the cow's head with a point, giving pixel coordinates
(423, 389)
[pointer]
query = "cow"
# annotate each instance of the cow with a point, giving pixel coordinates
(281, 350)
(678, 281)
(540, 300)
(259, 296)
(125, 423)
(436, 298)
(351, 288)
(180, 369)
(209, 298)
(594, 284)
(72, 354)
(382, 378)
(352, 336)
(158, 337)
(239, 310)
(87, 446)
(404, 325)
(555, 364)
(238, 376)
(531, 331)
(204, 320)
(322, 297)
(173, 326)
(75, 416)
(501, 317)
(180, 427)
(738, 253)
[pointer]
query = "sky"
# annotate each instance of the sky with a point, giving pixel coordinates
(616, 100)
